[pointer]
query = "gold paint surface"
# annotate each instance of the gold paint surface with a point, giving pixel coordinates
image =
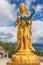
(24, 37)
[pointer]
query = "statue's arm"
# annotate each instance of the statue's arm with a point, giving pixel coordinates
(32, 13)
(29, 17)
(17, 21)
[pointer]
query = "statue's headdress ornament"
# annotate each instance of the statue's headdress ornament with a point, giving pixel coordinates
(21, 5)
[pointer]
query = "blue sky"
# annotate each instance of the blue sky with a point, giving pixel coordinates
(36, 3)
(8, 15)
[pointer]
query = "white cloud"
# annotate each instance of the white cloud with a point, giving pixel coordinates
(39, 7)
(6, 12)
(37, 31)
(6, 30)
(28, 3)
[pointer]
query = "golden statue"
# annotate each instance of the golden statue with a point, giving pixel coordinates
(24, 37)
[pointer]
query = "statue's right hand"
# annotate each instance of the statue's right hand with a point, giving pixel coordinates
(32, 7)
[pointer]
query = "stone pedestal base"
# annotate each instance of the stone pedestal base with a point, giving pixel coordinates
(24, 58)
(21, 63)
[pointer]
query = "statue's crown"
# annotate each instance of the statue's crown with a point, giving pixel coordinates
(21, 5)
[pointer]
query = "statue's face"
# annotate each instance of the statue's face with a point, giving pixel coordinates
(22, 8)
